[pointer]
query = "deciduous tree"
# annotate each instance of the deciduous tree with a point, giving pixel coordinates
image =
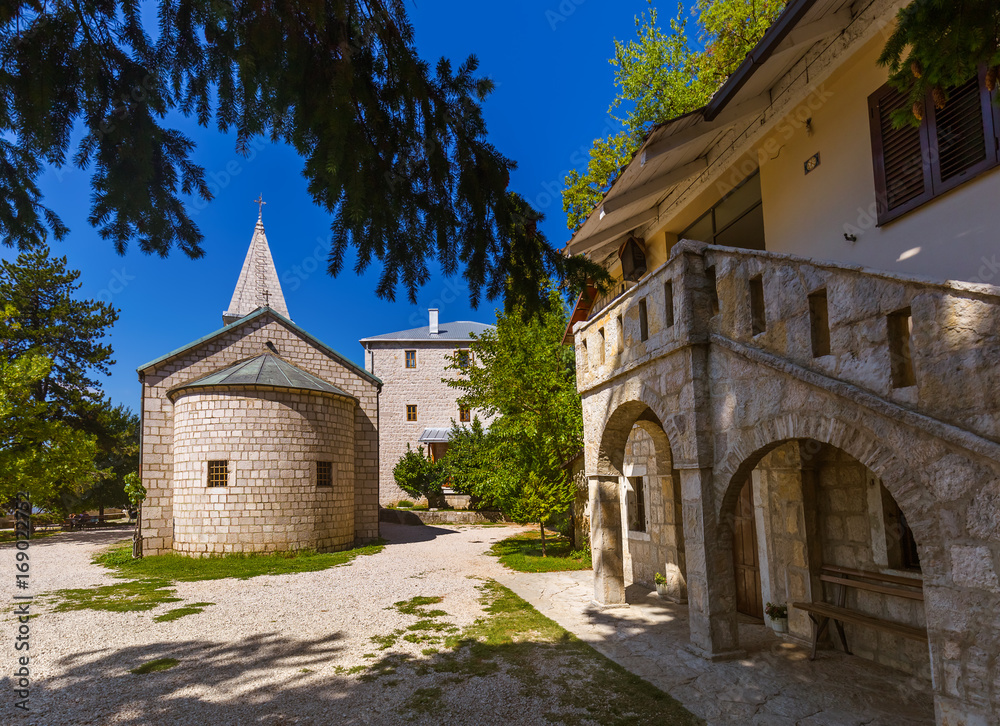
(660, 75)
(525, 376)
(38, 455)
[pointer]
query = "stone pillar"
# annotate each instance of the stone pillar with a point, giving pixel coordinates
(606, 542)
(674, 567)
(711, 588)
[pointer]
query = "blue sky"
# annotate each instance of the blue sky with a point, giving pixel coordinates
(549, 60)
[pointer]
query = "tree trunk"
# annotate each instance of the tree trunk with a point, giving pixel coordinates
(541, 526)
(100, 514)
(137, 536)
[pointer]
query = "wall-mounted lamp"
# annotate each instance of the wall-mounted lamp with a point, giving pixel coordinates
(809, 126)
(850, 237)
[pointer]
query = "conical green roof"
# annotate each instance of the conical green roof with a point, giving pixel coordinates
(265, 370)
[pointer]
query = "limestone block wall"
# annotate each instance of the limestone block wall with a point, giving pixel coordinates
(422, 386)
(661, 547)
(848, 538)
(727, 392)
(240, 341)
(272, 440)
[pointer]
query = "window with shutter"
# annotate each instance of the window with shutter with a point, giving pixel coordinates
(961, 129)
(902, 168)
(952, 145)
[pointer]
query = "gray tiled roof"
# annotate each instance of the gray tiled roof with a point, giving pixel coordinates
(459, 330)
(265, 370)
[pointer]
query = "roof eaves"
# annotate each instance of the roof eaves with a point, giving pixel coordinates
(779, 30)
(789, 17)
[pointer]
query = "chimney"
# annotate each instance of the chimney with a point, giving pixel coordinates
(434, 321)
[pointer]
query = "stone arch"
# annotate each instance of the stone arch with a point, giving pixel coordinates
(647, 410)
(915, 500)
(658, 548)
(816, 436)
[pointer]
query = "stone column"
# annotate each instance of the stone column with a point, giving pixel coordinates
(711, 588)
(606, 542)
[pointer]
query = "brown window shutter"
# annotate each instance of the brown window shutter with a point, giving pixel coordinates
(901, 160)
(962, 139)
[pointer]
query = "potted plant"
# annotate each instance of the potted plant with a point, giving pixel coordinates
(779, 617)
(661, 585)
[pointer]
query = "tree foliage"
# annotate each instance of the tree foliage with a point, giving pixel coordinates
(660, 75)
(525, 376)
(117, 456)
(395, 150)
(61, 438)
(46, 318)
(417, 475)
(939, 44)
(38, 455)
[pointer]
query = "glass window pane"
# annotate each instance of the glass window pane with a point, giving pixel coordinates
(700, 230)
(737, 203)
(747, 232)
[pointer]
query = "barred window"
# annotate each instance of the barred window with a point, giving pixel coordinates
(464, 414)
(324, 473)
(411, 412)
(218, 473)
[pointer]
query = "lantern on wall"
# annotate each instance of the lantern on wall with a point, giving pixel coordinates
(633, 258)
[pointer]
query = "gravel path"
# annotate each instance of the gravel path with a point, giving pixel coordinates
(272, 650)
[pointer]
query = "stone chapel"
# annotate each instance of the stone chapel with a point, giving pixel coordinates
(257, 437)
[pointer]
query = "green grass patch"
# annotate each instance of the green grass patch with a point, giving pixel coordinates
(10, 535)
(384, 642)
(192, 609)
(179, 568)
(523, 553)
(417, 606)
(153, 666)
(342, 671)
(424, 701)
(122, 597)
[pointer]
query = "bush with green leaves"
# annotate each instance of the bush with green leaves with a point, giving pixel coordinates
(417, 475)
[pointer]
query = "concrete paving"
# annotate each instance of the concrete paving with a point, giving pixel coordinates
(775, 685)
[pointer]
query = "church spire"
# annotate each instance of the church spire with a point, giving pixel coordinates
(258, 285)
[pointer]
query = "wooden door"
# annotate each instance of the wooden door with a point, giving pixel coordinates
(746, 565)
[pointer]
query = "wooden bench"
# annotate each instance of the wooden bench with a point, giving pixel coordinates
(822, 613)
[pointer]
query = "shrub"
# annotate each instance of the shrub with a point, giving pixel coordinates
(417, 475)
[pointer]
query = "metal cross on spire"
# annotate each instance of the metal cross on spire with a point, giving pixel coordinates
(259, 201)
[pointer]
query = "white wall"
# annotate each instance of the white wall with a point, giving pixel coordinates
(808, 214)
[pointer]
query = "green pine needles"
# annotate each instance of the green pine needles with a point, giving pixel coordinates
(394, 149)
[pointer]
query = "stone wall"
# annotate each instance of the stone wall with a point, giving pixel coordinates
(661, 547)
(272, 441)
(240, 341)
(422, 386)
(726, 396)
(848, 532)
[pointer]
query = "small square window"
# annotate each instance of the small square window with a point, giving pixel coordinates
(218, 473)
(411, 412)
(464, 414)
(324, 473)
(464, 358)
(411, 359)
